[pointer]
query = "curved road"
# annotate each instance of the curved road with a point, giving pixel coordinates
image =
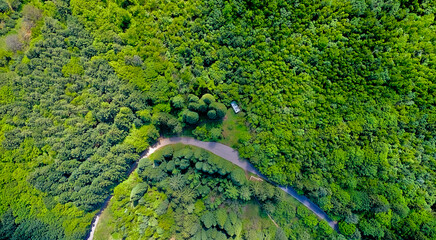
(231, 155)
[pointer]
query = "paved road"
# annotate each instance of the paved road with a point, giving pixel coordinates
(231, 155)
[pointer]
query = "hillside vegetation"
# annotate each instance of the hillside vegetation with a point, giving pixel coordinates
(193, 194)
(338, 97)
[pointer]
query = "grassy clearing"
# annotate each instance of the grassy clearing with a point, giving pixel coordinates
(252, 213)
(235, 129)
(255, 221)
(233, 126)
(176, 147)
(105, 226)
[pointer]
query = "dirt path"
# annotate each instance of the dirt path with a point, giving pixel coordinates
(231, 155)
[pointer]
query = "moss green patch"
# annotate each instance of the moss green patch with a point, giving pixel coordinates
(105, 226)
(235, 129)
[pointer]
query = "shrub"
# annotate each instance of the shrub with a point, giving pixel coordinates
(190, 117)
(208, 219)
(215, 134)
(208, 98)
(200, 133)
(211, 114)
(192, 98)
(347, 228)
(178, 102)
(140, 138)
(220, 109)
(138, 192)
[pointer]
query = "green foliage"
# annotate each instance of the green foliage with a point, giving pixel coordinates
(347, 228)
(370, 228)
(220, 109)
(168, 152)
(231, 192)
(192, 98)
(310, 221)
(7, 225)
(384, 218)
(140, 138)
(211, 114)
(191, 202)
(245, 193)
(190, 117)
(208, 98)
(229, 228)
(63, 127)
(339, 101)
(197, 108)
(144, 115)
(143, 165)
(221, 217)
(327, 124)
(215, 134)
(280, 234)
(208, 219)
(166, 123)
(177, 182)
(200, 132)
(6, 95)
(3, 5)
(170, 166)
(238, 176)
(325, 228)
(263, 191)
(302, 211)
(36, 229)
(178, 102)
(124, 118)
(73, 67)
(269, 207)
(203, 190)
(138, 192)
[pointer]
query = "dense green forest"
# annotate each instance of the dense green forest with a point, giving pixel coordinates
(338, 97)
(193, 194)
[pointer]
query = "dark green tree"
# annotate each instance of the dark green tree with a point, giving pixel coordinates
(178, 102)
(208, 219)
(7, 225)
(138, 192)
(208, 98)
(190, 117)
(220, 109)
(211, 114)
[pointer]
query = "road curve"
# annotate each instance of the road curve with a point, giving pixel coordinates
(231, 155)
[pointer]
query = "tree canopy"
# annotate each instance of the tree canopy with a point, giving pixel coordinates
(338, 100)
